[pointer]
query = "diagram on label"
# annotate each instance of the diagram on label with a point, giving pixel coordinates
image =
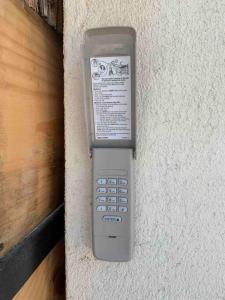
(102, 68)
(111, 90)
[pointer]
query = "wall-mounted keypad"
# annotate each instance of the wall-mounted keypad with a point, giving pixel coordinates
(115, 192)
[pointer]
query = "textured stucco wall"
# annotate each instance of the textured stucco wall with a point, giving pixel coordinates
(180, 168)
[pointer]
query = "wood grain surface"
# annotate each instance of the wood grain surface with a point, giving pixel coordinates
(31, 122)
(48, 281)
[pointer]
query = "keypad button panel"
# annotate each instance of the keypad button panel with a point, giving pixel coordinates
(115, 192)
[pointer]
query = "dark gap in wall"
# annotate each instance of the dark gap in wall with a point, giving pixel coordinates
(50, 10)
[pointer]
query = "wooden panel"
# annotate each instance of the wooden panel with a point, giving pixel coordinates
(47, 282)
(31, 122)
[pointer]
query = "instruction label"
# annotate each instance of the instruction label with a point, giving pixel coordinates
(111, 90)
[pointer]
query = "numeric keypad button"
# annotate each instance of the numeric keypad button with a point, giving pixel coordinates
(111, 208)
(123, 200)
(112, 181)
(101, 190)
(101, 199)
(112, 190)
(101, 208)
(101, 181)
(111, 199)
(122, 191)
(122, 181)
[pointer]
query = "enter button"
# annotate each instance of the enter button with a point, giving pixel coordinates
(114, 219)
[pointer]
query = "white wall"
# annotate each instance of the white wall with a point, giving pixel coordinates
(180, 169)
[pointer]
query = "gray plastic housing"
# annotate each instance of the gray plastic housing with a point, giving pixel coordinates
(113, 241)
(112, 158)
(100, 42)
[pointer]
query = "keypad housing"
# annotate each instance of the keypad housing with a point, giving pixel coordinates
(112, 224)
